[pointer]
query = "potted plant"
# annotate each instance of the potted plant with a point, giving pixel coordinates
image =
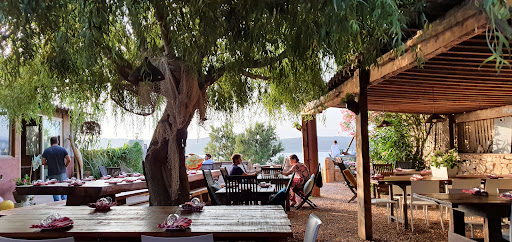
(20, 182)
(444, 165)
(350, 102)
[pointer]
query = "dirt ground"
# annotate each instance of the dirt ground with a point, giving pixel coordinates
(340, 220)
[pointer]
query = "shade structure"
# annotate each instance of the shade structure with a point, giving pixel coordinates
(435, 118)
(384, 123)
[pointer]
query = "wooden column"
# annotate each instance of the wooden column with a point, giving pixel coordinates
(310, 147)
(451, 130)
(364, 218)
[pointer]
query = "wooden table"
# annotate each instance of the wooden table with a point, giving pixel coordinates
(491, 207)
(128, 223)
(402, 182)
(91, 191)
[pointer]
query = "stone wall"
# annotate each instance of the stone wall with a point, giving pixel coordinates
(499, 164)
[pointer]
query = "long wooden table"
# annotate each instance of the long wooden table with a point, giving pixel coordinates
(125, 223)
(491, 207)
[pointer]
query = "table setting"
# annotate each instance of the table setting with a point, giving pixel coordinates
(53, 221)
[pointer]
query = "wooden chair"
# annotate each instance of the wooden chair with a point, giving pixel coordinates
(351, 182)
(270, 171)
(384, 169)
(200, 238)
(286, 194)
(224, 173)
(207, 174)
(206, 167)
(312, 228)
(68, 239)
(241, 190)
(306, 192)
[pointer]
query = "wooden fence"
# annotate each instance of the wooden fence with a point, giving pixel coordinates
(472, 134)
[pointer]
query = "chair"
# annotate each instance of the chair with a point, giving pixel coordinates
(306, 192)
(351, 182)
(224, 173)
(424, 187)
(384, 169)
(200, 238)
(241, 190)
(492, 185)
(280, 201)
(270, 171)
(312, 228)
(471, 222)
(103, 170)
(68, 239)
(466, 183)
(207, 174)
(206, 167)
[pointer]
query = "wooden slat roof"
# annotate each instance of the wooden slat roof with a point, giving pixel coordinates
(451, 80)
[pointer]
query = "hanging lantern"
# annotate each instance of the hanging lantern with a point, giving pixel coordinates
(435, 118)
(146, 72)
(384, 123)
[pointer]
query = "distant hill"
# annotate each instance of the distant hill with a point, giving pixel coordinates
(291, 145)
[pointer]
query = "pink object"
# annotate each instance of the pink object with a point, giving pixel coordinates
(492, 176)
(190, 206)
(506, 195)
(416, 177)
(57, 224)
(181, 223)
(476, 191)
(41, 184)
(76, 183)
(102, 206)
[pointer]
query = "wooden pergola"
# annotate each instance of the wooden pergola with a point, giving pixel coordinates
(452, 80)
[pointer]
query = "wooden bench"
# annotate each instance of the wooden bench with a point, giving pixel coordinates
(121, 197)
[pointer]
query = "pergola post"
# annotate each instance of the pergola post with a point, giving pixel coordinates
(364, 221)
(310, 147)
(451, 128)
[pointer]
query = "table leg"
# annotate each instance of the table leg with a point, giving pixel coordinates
(287, 203)
(374, 190)
(457, 224)
(392, 205)
(404, 206)
(492, 229)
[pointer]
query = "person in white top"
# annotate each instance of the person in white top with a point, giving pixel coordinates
(335, 149)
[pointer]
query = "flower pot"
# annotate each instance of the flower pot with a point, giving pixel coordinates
(352, 106)
(444, 172)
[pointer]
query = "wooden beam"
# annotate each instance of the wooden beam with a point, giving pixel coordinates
(490, 113)
(364, 218)
(451, 128)
(313, 151)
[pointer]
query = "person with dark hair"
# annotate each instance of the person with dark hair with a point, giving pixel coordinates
(208, 160)
(335, 150)
(57, 159)
(235, 169)
(301, 176)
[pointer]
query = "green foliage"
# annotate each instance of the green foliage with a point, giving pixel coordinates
(404, 141)
(258, 143)
(71, 53)
(222, 142)
(22, 181)
(130, 155)
(449, 160)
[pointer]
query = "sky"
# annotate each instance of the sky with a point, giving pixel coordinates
(132, 126)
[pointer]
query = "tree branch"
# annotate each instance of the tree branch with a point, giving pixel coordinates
(161, 15)
(255, 76)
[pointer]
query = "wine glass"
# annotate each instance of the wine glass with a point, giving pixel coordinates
(171, 219)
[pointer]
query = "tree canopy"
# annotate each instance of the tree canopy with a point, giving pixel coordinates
(76, 53)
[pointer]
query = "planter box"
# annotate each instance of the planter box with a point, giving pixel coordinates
(443, 172)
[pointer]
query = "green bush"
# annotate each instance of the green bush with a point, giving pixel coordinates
(130, 155)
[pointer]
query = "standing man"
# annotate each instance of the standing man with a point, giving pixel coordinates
(54, 157)
(335, 149)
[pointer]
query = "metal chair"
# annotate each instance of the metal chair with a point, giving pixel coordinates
(492, 185)
(68, 239)
(103, 170)
(312, 228)
(207, 174)
(424, 187)
(200, 238)
(306, 192)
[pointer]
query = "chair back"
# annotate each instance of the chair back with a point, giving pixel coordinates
(200, 238)
(103, 170)
(206, 167)
(289, 186)
(384, 169)
(207, 174)
(350, 178)
(466, 183)
(492, 185)
(270, 171)
(340, 163)
(312, 228)
(68, 239)
(224, 173)
(241, 190)
(399, 191)
(424, 187)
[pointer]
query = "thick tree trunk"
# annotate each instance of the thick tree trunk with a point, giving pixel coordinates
(159, 174)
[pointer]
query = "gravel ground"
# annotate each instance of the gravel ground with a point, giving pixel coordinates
(340, 220)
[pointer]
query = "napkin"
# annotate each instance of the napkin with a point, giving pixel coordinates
(476, 191)
(416, 177)
(181, 223)
(57, 224)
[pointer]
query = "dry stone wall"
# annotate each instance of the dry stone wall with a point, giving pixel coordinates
(499, 164)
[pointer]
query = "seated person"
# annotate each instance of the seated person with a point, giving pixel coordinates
(301, 176)
(208, 160)
(235, 169)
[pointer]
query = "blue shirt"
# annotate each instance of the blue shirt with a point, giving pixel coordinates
(55, 156)
(208, 162)
(236, 171)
